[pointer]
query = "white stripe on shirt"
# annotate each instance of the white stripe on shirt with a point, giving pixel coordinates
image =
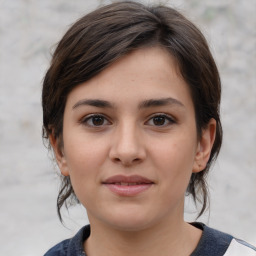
(237, 249)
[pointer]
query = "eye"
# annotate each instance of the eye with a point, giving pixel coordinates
(160, 120)
(95, 120)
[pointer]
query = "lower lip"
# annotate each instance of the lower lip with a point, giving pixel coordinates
(124, 190)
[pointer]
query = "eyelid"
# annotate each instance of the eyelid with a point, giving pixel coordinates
(84, 120)
(168, 117)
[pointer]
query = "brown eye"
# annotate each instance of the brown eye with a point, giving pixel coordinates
(95, 121)
(159, 120)
(98, 120)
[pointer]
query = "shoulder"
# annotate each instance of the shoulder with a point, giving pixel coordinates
(59, 249)
(71, 247)
(239, 247)
(217, 243)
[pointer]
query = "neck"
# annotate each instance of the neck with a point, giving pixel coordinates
(176, 238)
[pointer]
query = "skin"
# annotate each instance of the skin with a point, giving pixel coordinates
(133, 136)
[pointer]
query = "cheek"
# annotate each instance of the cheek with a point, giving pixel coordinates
(84, 171)
(84, 159)
(174, 159)
(178, 151)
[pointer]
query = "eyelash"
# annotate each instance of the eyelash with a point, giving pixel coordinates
(170, 120)
(85, 121)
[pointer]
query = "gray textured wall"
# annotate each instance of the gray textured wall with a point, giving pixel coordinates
(28, 181)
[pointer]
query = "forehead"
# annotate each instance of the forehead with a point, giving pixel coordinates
(143, 64)
(143, 74)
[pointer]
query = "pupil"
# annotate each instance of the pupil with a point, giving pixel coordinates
(97, 120)
(159, 120)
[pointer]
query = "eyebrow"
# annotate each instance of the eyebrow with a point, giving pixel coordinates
(144, 104)
(93, 102)
(159, 103)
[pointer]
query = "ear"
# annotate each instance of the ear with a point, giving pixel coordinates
(205, 146)
(59, 155)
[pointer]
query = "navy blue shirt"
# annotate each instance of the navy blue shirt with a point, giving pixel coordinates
(212, 243)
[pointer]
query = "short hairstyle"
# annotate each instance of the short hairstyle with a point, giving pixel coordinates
(105, 35)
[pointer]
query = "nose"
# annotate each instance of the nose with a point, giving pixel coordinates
(127, 145)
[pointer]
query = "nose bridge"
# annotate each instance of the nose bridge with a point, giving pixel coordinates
(127, 134)
(127, 144)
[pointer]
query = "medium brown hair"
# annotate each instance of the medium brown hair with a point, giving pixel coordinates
(101, 37)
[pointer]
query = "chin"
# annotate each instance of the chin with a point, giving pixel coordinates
(131, 221)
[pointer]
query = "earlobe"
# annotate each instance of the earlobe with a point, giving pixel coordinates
(59, 155)
(205, 146)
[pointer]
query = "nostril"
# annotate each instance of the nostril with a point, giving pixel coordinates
(127, 162)
(117, 159)
(127, 154)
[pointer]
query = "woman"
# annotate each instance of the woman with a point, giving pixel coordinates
(131, 110)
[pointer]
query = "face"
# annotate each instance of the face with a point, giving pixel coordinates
(130, 142)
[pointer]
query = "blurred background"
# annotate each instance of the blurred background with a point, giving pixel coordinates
(29, 30)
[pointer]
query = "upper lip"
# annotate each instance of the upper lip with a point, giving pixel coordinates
(127, 179)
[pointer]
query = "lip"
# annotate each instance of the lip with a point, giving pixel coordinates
(127, 185)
